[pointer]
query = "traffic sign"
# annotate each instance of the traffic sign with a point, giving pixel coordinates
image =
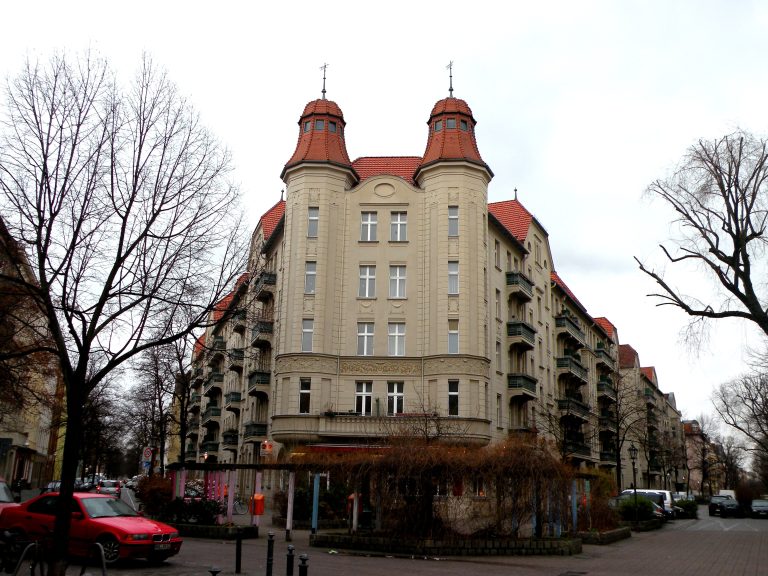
(147, 454)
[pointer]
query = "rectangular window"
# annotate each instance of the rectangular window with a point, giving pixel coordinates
(307, 328)
(367, 287)
(313, 219)
(498, 304)
(397, 281)
(310, 273)
(305, 385)
(365, 338)
(453, 277)
(398, 227)
(453, 397)
(453, 336)
(368, 227)
(498, 356)
(363, 395)
(319, 124)
(396, 338)
(509, 261)
(497, 254)
(450, 123)
(453, 220)
(395, 398)
(499, 423)
(331, 126)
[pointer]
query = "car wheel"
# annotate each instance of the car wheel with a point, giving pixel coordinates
(111, 549)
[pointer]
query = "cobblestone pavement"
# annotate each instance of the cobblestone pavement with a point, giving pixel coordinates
(704, 547)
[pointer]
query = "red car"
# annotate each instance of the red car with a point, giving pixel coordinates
(121, 531)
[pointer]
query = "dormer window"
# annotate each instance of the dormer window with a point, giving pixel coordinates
(450, 123)
(438, 125)
(307, 126)
(331, 126)
(463, 125)
(319, 124)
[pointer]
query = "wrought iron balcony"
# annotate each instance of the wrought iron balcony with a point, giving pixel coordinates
(571, 366)
(520, 286)
(238, 321)
(578, 449)
(607, 457)
(236, 356)
(264, 287)
(520, 384)
(573, 407)
(605, 389)
(210, 413)
(569, 327)
(209, 447)
(521, 335)
(261, 333)
(213, 384)
(232, 401)
(604, 356)
(229, 440)
(254, 431)
(258, 381)
(650, 397)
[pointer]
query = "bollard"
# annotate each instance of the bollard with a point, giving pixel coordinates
(289, 561)
(238, 551)
(270, 552)
(303, 568)
(214, 570)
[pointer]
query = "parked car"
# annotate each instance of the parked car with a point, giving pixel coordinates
(121, 531)
(759, 509)
(6, 496)
(109, 487)
(661, 497)
(723, 506)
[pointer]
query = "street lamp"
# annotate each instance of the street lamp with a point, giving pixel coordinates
(633, 457)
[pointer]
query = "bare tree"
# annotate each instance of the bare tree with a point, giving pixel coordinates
(720, 195)
(742, 404)
(121, 201)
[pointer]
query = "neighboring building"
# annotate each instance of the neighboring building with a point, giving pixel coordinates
(386, 296)
(705, 458)
(28, 433)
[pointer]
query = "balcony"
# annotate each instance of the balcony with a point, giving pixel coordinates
(348, 428)
(650, 397)
(254, 432)
(521, 335)
(522, 385)
(607, 422)
(209, 447)
(519, 286)
(232, 401)
(605, 389)
(210, 413)
(213, 384)
(194, 401)
(574, 407)
(198, 375)
(567, 326)
(264, 286)
(652, 421)
(229, 440)
(578, 449)
(261, 334)
(258, 381)
(569, 365)
(603, 357)
(238, 321)
(217, 350)
(236, 356)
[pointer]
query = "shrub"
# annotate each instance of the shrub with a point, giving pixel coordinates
(154, 493)
(644, 508)
(689, 508)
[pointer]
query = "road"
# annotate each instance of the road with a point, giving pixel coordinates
(704, 547)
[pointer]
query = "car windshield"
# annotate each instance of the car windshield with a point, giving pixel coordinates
(760, 502)
(106, 507)
(5, 493)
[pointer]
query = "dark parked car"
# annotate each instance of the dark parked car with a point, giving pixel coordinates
(121, 531)
(724, 506)
(759, 509)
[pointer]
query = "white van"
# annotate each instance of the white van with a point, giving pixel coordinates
(669, 501)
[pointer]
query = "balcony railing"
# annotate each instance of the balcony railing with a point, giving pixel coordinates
(209, 447)
(232, 401)
(605, 388)
(258, 381)
(261, 333)
(340, 427)
(238, 321)
(608, 423)
(569, 365)
(213, 383)
(578, 449)
(263, 288)
(520, 286)
(520, 384)
(254, 431)
(575, 407)
(521, 334)
(565, 324)
(650, 397)
(211, 412)
(608, 457)
(236, 356)
(229, 439)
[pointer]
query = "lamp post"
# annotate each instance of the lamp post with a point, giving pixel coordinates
(633, 457)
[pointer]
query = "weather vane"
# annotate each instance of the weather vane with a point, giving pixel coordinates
(323, 68)
(450, 76)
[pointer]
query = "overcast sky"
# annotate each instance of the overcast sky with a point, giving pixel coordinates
(579, 104)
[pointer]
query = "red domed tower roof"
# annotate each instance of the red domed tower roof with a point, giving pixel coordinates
(451, 135)
(321, 137)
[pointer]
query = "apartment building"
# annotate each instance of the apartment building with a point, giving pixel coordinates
(386, 296)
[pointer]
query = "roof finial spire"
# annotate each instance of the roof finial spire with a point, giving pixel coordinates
(515, 193)
(323, 68)
(450, 76)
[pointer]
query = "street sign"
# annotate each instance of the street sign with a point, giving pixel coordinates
(147, 454)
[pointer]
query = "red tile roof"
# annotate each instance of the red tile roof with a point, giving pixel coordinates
(198, 347)
(320, 145)
(607, 327)
(650, 373)
(563, 286)
(401, 166)
(627, 356)
(271, 218)
(513, 216)
(451, 143)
